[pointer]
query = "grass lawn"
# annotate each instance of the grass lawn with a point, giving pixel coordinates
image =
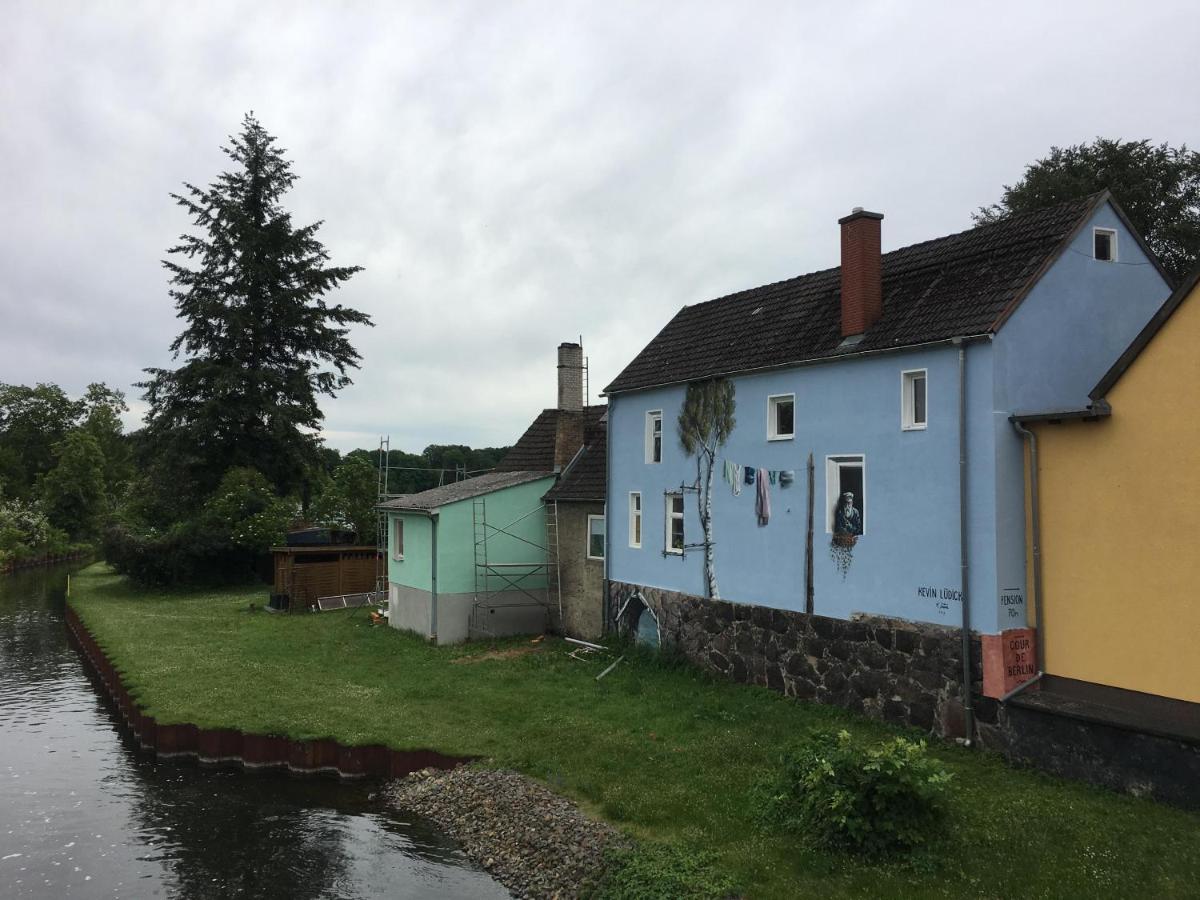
(663, 751)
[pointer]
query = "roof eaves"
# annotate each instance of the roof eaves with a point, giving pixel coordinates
(422, 510)
(1098, 410)
(810, 361)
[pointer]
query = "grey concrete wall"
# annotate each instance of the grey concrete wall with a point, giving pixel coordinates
(510, 613)
(582, 578)
(410, 609)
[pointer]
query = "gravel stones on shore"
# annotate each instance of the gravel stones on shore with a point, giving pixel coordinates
(534, 842)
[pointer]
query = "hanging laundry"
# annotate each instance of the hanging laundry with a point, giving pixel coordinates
(750, 474)
(732, 472)
(774, 474)
(786, 477)
(762, 500)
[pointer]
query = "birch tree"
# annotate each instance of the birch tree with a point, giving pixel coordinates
(705, 423)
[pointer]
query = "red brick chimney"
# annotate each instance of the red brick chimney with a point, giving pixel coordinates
(862, 285)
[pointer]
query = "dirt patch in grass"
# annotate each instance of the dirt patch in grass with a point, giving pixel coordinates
(507, 653)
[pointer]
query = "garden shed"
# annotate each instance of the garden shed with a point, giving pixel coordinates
(304, 574)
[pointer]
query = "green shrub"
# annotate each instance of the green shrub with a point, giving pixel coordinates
(663, 872)
(867, 799)
(223, 543)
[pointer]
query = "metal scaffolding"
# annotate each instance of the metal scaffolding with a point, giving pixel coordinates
(493, 578)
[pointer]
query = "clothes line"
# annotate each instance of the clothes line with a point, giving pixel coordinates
(736, 475)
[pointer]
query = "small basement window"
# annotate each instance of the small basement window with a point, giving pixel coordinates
(845, 475)
(781, 417)
(398, 539)
(913, 413)
(674, 532)
(595, 540)
(1104, 244)
(635, 519)
(654, 436)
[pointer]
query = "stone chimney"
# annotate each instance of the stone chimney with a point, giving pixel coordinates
(568, 430)
(570, 377)
(862, 284)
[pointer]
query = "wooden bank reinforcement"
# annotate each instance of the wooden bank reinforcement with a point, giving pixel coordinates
(231, 747)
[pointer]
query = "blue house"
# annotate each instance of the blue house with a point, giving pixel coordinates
(876, 400)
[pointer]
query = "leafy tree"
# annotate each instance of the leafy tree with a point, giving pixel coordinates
(245, 511)
(261, 342)
(26, 531)
(74, 492)
(705, 423)
(1157, 186)
(103, 423)
(348, 499)
(33, 420)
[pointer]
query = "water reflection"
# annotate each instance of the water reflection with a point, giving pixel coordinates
(82, 813)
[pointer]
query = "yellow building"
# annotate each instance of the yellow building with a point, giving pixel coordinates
(1119, 514)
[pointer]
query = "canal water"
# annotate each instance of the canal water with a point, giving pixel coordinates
(84, 813)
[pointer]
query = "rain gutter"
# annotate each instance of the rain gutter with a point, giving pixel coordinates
(964, 560)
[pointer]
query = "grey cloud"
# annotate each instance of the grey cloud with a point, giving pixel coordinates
(516, 175)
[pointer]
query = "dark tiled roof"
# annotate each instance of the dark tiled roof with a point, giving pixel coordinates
(462, 490)
(964, 284)
(534, 452)
(586, 477)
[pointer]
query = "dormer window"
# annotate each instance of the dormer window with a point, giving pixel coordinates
(1104, 244)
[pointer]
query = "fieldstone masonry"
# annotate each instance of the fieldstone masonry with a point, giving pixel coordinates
(902, 672)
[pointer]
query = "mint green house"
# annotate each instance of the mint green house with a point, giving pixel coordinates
(481, 558)
(469, 559)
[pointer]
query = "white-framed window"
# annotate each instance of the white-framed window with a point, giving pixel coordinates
(595, 537)
(914, 387)
(635, 519)
(673, 539)
(398, 539)
(1104, 244)
(781, 417)
(654, 436)
(846, 474)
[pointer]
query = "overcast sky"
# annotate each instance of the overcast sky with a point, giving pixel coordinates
(512, 175)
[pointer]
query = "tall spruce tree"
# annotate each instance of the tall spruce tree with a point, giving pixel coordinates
(261, 343)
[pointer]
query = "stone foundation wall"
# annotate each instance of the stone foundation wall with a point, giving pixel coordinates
(902, 672)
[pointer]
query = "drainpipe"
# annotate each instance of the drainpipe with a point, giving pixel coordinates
(433, 600)
(1036, 519)
(968, 702)
(606, 581)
